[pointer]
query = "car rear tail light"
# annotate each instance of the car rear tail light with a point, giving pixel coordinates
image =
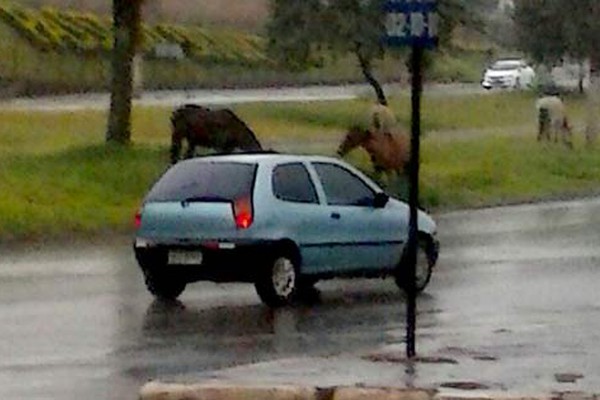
(138, 219)
(242, 212)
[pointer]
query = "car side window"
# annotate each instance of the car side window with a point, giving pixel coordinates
(291, 182)
(342, 187)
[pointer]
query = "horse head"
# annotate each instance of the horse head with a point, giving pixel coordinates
(356, 136)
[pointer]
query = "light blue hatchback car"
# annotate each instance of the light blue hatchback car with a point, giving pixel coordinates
(280, 221)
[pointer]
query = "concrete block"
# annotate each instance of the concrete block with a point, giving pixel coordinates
(169, 391)
(364, 393)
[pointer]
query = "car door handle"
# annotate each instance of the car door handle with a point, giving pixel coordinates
(335, 215)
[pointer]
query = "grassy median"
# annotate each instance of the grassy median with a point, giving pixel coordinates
(57, 177)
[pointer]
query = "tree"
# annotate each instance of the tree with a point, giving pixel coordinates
(302, 32)
(127, 16)
(550, 30)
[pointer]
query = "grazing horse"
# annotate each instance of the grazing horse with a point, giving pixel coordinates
(389, 152)
(552, 119)
(219, 129)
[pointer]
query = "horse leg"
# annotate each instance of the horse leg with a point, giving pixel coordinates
(543, 125)
(175, 148)
(191, 148)
(567, 133)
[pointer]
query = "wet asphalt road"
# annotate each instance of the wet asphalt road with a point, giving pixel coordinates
(517, 284)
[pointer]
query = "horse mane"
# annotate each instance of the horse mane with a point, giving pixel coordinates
(232, 117)
(237, 120)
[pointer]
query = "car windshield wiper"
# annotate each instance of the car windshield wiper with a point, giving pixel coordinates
(205, 199)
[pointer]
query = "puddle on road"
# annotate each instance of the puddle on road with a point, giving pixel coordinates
(567, 377)
(465, 385)
(400, 358)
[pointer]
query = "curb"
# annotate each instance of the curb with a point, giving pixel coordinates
(155, 390)
(163, 391)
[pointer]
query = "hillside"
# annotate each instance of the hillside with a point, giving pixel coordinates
(242, 14)
(63, 46)
(56, 49)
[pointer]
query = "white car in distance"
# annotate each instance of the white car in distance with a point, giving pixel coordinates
(508, 73)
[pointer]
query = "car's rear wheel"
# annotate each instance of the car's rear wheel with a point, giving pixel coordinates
(162, 284)
(426, 258)
(277, 283)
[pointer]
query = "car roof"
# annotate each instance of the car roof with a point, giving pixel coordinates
(262, 157)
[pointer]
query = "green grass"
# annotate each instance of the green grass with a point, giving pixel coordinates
(83, 190)
(57, 177)
(504, 169)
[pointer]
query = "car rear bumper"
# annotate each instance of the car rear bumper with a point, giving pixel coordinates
(220, 262)
(489, 84)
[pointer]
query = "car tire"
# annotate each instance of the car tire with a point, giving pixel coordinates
(165, 286)
(278, 280)
(426, 259)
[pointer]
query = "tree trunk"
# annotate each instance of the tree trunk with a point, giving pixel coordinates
(367, 70)
(593, 102)
(126, 28)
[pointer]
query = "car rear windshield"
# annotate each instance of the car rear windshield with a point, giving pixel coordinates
(204, 181)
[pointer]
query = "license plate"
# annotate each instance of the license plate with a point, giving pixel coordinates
(185, 257)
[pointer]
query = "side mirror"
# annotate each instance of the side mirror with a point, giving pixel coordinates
(380, 200)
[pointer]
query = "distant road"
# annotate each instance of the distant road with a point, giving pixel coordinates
(225, 96)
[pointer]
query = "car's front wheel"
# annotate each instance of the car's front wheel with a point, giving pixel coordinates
(278, 280)
(426, 259)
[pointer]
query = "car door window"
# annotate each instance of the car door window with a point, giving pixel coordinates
(291, 182)
(342, 187)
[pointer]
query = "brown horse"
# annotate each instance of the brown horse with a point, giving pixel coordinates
(389, 152)
(219, 129)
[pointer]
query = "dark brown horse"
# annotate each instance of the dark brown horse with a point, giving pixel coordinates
(219, 129)
(389, 152)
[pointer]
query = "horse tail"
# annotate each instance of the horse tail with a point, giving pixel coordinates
(182, 127)
(178, 131)
(245, 137)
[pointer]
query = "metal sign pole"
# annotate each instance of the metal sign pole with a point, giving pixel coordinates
(413, 198)
(414, 23)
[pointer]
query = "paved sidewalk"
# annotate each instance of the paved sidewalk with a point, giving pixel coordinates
(386, 374)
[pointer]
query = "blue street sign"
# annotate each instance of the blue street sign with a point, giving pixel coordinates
(411, 22)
